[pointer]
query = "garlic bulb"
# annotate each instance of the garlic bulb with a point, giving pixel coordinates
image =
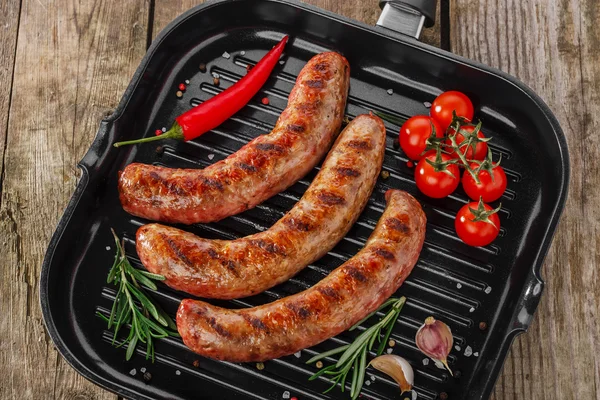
(434, 339)
(397, 368)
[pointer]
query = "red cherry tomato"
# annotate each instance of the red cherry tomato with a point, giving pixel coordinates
(415, 132)
(436, 184)
(487, 189)
(445, 103)
(481, 148)
(478, 233)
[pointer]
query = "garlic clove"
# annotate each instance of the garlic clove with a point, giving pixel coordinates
(435, 340)
(397, 368)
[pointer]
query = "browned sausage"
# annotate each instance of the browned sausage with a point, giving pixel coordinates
(264, 167)
(333, 305)
(229, 269)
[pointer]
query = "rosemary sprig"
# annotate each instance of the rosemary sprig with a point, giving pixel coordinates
(133, 307)
(354, 355)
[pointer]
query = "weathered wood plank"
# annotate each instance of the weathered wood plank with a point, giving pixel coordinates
(73, 61)
(554, 47)
(8, 44)
(364, 11)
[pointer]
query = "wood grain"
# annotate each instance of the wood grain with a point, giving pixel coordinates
(364, 11)
(73, 61)
(554, 47)
(8, 44)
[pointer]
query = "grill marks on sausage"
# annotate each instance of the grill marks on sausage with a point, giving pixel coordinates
(275, 148)
(329, 292)
(246, 167)
(298, 223)
(171, 187)
(308, 109)
(330, 198)
(314, 83)
(321, 66)
(256, 323)
(343, 171)
(296, 128)
(385, 254)
(177, 251)
(356, 274)
(301, 311)
(359, 144)
(398, 225)
(212, 183)
(269, 247)
(230, 265)
(218, 327)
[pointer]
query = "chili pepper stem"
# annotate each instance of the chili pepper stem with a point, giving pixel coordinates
(174, 133)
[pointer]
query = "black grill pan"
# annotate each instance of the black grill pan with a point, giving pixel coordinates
(463, 286)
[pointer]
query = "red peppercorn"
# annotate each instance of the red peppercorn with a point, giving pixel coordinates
(158, 132)
(294, 398)
(182, 86)
(265, 101)
(410, 164)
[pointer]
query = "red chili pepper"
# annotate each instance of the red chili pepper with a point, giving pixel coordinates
(218, 109)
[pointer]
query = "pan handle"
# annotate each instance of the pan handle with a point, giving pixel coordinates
(407, 16)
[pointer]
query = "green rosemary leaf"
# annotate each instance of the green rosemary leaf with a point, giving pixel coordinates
(99, 314)
(146, 302)
(144, 281)
(335, 382)
(361, 373)
(372, 340)
(150, 275)
(356, 345)
(321, 372)
(354, 376)
(388, 332)
(131, 347)
(328, 354)
(146, 319)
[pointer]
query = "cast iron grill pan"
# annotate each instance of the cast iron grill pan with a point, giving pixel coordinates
(499, 285)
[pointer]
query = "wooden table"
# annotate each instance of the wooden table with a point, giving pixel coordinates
(64, 65)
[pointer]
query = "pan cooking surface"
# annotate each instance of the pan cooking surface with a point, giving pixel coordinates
(497, 285)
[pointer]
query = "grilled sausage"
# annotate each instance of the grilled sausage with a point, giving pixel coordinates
(264, 167)
(231, 269)
(333, 305)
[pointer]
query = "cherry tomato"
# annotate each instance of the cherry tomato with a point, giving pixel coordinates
(488, 189)
(445, 103)
(476, 233)
(415, 132)
(436, 184)
(481, 148)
